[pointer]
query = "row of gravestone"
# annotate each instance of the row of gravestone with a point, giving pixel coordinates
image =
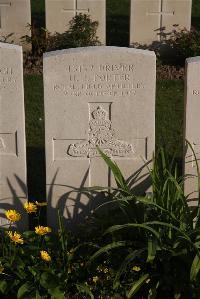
(95, 96)
(150, 20)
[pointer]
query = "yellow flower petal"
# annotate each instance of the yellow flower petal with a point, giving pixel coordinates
(95, 279)
(42, 230)
(30, 207)
(45, 256)
(13, 215)
(15, 237)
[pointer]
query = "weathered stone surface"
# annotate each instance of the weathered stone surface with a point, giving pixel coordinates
(150, 17)
(13, 190)
(192, 124)
(101, 96)
(60, 12)
(15, 15)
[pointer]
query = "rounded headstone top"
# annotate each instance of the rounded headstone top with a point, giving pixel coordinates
(99, 49)
(10, 46)
(193, 59)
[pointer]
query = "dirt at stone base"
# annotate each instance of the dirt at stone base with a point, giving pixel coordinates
(170, 72)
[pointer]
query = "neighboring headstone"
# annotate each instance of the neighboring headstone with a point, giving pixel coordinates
(93, 96)
(150, 18)
(13, 190)
(192, 125)
(60, 12)
(15, 15)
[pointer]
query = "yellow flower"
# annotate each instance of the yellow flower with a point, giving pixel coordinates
(15, 237)
(136, 268)
(42, 230)
(41, 204)
(45, 256)
(95, 279)
(105, 270)
(30, 207)
(13, 215)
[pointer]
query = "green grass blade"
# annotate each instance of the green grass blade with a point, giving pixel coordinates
(151, 203)
(153, 291)
(119, 178)
(129, 258)
(115, 228)
(107, 248)
(85, 289)
(198, 180)
(195, 268)
(152, 248)
(137, 285)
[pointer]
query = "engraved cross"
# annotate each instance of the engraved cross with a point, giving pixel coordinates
(100, 133)
(160, 14)
(76, 9)
(2, 7)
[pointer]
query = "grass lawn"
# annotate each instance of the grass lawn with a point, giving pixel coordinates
(169, 124)
(35, 136)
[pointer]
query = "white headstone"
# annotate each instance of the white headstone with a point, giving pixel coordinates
(149, 17)
(192, 125)
(101, 96)
(60, 12)
(13, 189)
(15, 15)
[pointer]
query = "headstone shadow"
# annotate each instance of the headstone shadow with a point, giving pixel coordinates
(13, 202)
(83, 209)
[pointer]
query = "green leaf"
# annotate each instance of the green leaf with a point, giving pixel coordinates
(133, 225)
(48, 281)
(29, 234)
(84, 289)
(51, 284)
(119, 178)
(152, 247)
(24, 290)
(37, 295)
(177, 296)
(129, 258)
(153, 291)
(182, 233)
(3, 286)
(32, 271)
(56, 293)
(107, 248)
(137, 285)
(195, 268)
(146, 201)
